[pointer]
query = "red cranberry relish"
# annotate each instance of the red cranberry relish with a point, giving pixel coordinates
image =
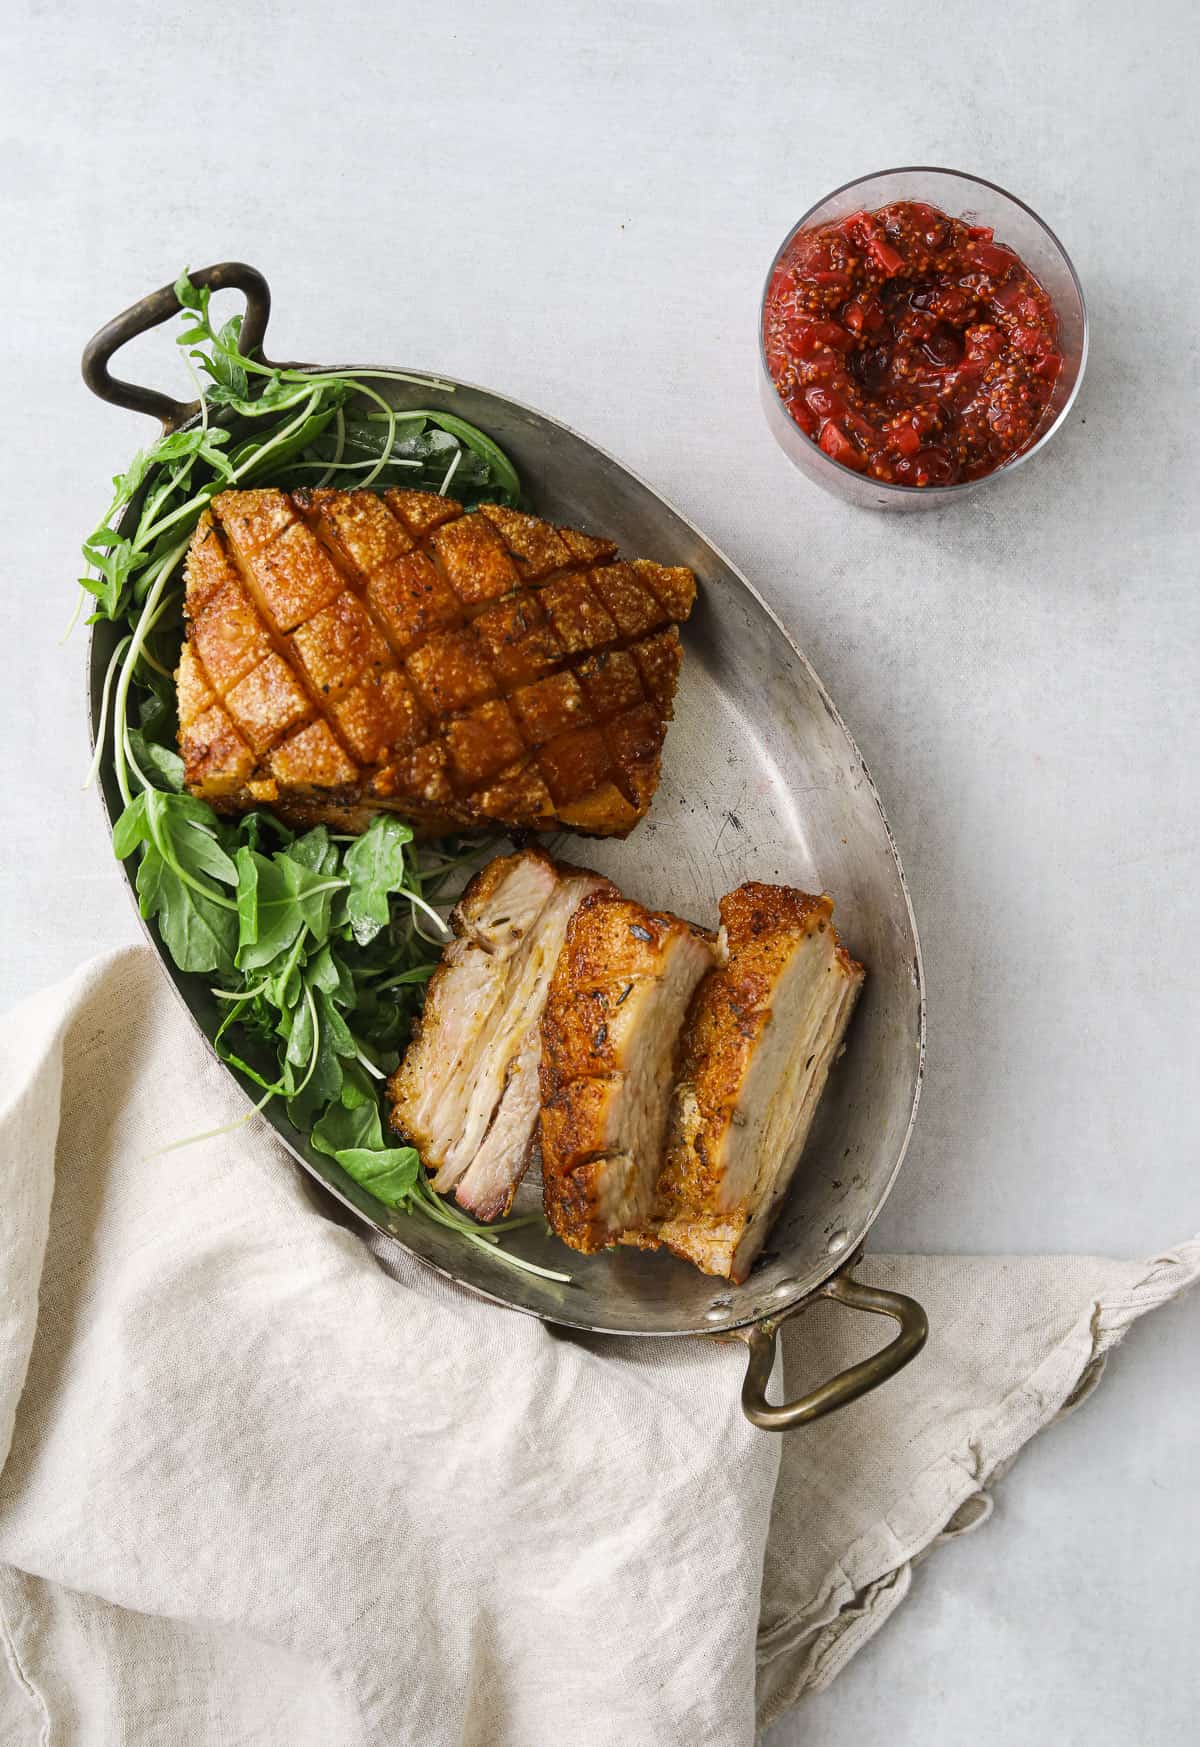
(909, 345)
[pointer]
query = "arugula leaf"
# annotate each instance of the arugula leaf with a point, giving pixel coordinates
(490, 453)
(324, 1073)
(180, 857)
(248, 862)
(155, 760)
(315, 851)
(227, 370)
(284, 982)
(390, 1174)
(341, 1039)
(192, 296)
(376, 867)
(192, 440)
(182, 831)
(196, 850)
(199, 934)
(253, 472)
(349, 1124)
(419, 455)
(130, 829)
(358, 1092)
(301, 1029)
(327, 973)
(116, 559)
(277, 897)
(352, 1134)
(253, 829)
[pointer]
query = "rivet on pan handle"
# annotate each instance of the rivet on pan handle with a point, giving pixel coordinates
(848, 1385)
(151, 312)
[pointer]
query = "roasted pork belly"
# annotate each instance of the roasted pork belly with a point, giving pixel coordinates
(466, 1093)
(760, 1038)
(623, 983)
(349, 653)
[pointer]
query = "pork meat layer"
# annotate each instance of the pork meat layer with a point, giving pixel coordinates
(349, 653)
(466, 1093)
(624, 980)
(761, 1036)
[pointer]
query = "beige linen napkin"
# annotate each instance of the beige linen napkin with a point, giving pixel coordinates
(264, 1484)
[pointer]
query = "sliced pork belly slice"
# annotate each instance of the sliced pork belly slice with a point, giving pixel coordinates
(466, 1092)
(624, 980)
(760, 1039)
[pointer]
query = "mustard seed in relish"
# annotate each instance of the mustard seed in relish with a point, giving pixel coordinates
(909, 345)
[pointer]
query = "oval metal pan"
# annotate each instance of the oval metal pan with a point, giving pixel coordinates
(760, 780)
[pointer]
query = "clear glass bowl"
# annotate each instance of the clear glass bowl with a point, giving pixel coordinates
(1016, 225)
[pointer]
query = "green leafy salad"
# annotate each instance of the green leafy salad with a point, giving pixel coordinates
(316, 945)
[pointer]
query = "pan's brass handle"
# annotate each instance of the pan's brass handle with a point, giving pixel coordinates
(848, 1385)
(151, 312)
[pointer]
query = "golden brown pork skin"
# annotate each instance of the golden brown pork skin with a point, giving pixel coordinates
(349, 653)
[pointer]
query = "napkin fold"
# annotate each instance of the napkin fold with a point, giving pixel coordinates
(266, 1482)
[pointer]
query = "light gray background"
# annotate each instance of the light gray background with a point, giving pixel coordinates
(577, 206)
